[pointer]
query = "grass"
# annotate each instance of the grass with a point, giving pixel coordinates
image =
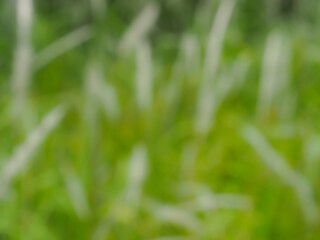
(116, 128)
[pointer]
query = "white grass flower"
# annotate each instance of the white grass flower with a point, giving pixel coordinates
(208, 201)
(140, 27)
(207, 102)
(137, 171)
(280, 166)
(187, 62)
(100, 92)
(274, 76)
(22, 56)
(23, 154)
(76, 192)
(216, 39)
(202, 199)
(144, 78)
(61, 46)
(176, 216)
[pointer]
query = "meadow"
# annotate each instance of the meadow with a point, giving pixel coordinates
(159, 120)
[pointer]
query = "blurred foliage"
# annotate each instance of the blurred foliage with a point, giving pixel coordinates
(38, 204)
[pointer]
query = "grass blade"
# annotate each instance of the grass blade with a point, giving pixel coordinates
(100, 92)
(22, 56)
